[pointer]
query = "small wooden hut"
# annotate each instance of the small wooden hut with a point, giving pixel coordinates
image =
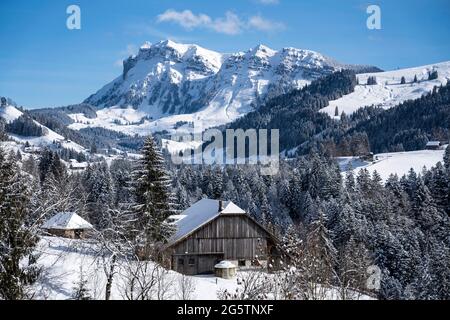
(68, 225)
(433, 145)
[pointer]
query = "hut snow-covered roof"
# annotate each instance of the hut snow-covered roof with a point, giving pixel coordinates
(434, 144)
(67, 221)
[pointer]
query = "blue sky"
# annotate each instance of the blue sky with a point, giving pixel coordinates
(43, 64)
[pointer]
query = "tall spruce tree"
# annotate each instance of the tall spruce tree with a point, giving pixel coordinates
(99, 187)
(318, 261)
(17, 238)
(424, 208)
(447, 158)
(153, 196)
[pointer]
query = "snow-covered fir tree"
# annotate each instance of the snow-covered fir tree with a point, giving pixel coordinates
(153, 196)
(18, 269)
(447, 158)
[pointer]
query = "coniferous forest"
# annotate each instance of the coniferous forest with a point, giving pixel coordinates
(401, 226)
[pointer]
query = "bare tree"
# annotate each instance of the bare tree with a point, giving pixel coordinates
(252, 284)
(145, 280)
(186, 288)
(164, 283)
(140, 279)
(114, 245)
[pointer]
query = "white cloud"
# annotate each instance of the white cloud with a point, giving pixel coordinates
(185, 18)
(259, 23)
(230, 24)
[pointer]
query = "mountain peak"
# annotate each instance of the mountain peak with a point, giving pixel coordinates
(262, 51)
(181, 48)
(261, 47)
(146, 45)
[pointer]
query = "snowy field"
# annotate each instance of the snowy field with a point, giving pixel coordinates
(63, 260)
(396, 163)
(389, 92)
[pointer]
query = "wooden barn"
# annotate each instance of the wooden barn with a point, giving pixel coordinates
(212, 231)
(68, 225)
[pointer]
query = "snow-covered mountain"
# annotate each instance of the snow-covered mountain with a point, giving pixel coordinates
(170, 79)
(168, 86)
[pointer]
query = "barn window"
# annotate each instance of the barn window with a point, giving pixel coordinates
(241, 263)
(191, 261)
(180, 262)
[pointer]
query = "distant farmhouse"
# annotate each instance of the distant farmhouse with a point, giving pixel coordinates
(68, 225)
(434, 145)
(32, 149)
(212, 231)
(368, 157)
(77, 166)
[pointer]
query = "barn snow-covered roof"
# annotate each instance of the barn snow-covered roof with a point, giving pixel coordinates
(199, 214)
(67, 221)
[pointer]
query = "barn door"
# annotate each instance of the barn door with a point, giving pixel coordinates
(179, 262)
(206, 263)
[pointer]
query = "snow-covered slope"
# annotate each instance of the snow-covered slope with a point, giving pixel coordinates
(10, 113)
(395, 163)
(388, 91)
(169, 82)
(63, 260)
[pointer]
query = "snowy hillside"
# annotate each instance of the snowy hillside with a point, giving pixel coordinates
(10, 113)
(389, 91)
(64, 259)
(394, 163)
(167, 82)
